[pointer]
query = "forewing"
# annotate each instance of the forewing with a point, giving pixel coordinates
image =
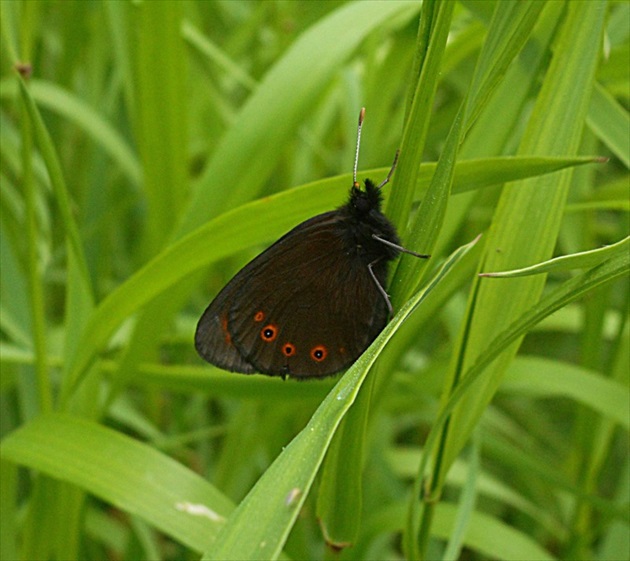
(213, 340)
(306, 307)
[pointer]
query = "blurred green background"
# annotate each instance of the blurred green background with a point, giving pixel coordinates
(152, 148)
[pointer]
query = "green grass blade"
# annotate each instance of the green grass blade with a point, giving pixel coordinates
(340, 494)
(435, 22)
(81, 285)
(506, 543)
(534, 210)
(126, 473)
(616, 267)
(73, 109)
(213, 53)
(34, 268)
(430, 217)
(582, 260)
(250, 535)
(482, 172)
(611, 122)
(466, 507)
(540, 377)
(511, 26)
(62, 197)
(161, 124)
(247, 153)
(227, 102)
(161, 130)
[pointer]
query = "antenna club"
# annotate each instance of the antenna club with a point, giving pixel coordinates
(361, 115)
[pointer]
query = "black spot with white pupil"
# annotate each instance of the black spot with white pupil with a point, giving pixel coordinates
(268, 333)
(318, 354)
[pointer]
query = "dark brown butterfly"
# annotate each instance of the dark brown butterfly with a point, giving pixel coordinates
(310, 304)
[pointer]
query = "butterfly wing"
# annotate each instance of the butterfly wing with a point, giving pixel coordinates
(305, 307)
(213, 340)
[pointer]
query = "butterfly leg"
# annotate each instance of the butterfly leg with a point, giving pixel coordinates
(380, 287)
(399, 247)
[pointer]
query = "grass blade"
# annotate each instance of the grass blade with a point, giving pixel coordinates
(128, 474)
(247, 534)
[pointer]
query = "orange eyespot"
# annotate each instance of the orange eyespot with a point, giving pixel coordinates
(288, 349)
(269, 333)
(319, 353)
(259, 316)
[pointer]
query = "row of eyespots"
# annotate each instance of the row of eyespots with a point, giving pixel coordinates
(270, 332)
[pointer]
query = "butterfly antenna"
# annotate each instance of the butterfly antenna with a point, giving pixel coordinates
(391, 171)
(356, 154)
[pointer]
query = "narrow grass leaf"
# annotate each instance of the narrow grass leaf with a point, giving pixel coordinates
(35, 286)
(430, 217)
(249, 150)
(569, 291)
(610, 122)
(533, 210)
(213, 53)
(161, 124)
(434, 24)
(340, 493)
(467, 500)
(218, 383)
(405, 460)
(544, 378)
(250, 534)
(552, 475)
(62, 197)
(124, 472)
(75, 110)
(582, 260)
(506, 543)
(81, 282)
(482, 172)
(511, 26)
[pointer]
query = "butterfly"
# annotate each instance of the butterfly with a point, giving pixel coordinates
(310, 304)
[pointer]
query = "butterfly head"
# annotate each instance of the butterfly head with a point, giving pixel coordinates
(363, 201)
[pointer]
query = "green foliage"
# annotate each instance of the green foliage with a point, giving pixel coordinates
(149, 149)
